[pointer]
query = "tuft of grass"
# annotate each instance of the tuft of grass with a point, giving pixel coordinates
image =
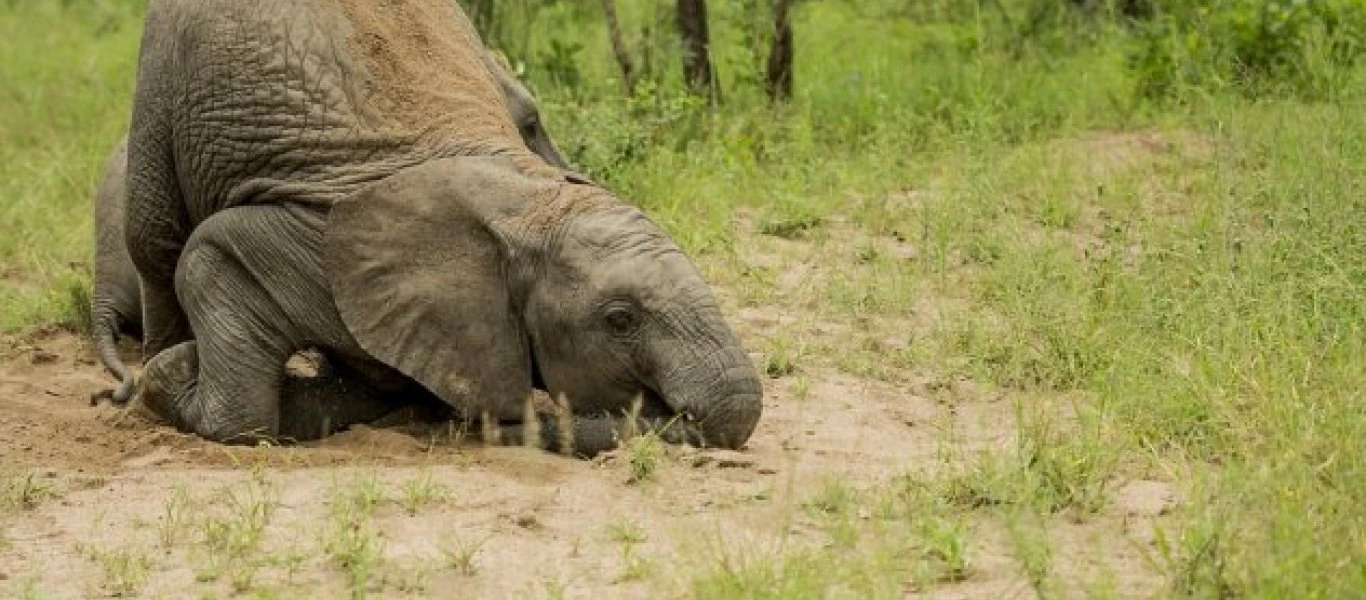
(1032, 549)
(643, 454)
(174, 518)
(461, 556)
(422, 492)
(634, 566)
(627, 533)
(409, 580)
(25, 492)
(780, 360)
(834, 498)
(125, 570)
(230, 530)
(790, 227)
(351, 540)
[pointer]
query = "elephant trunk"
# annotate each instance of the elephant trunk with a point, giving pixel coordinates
(718, 399)
(709, 402)
(716, 402)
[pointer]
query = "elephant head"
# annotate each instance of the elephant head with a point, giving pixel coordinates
(481, 279)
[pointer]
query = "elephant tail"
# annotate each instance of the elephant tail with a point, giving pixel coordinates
(105, 331)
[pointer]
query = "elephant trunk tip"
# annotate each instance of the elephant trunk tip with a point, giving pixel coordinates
(730, 424)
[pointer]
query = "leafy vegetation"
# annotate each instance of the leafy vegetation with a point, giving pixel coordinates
(1144, 228)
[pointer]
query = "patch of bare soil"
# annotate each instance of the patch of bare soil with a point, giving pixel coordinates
(116, 500)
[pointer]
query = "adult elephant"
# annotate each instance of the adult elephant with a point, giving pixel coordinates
(342, 174)
(116, 302)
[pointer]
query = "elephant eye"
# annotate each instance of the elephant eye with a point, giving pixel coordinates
(621, 320)
(530, 125)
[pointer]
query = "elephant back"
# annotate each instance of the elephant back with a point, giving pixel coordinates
(426, 75)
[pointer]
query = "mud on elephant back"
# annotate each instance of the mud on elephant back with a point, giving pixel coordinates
(392, 217)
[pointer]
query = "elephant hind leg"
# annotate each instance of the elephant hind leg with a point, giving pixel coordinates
(251, 282)
(224, 385)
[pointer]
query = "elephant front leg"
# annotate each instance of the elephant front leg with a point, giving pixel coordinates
(167, 386)
(224, 385)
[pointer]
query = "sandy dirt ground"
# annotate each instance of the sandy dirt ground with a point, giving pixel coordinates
(541, 525)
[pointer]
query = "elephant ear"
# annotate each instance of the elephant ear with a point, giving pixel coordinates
(417, 269)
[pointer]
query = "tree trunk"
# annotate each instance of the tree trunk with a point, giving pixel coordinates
(779, 77)
(628, 71)
(697, 68)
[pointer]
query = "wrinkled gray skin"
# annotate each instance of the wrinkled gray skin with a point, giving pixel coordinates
(116, 301)
(277, 202)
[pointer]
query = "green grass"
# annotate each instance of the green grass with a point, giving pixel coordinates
(1170, 288)
(70, 74)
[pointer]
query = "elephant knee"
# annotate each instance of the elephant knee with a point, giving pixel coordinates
(168, 383)
(201, 268)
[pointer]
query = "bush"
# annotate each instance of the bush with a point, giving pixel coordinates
(1296, 47)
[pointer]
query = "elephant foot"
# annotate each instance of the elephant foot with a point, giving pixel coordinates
(166, 384)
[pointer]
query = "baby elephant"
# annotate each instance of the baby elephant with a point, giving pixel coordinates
(346, 176)
(116, 302)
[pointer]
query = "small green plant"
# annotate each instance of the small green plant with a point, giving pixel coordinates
(351, 541)
(409, 580)
(354, 547)
(555, 589)
(26, 491)
(461, 556)
(1066, 469)
(834, 498)
(627, 532)
(643, 454)
(635, 567)
(790, 227)
(1196, 562)
(364, 496)
(174, 518)
(125, 569)
(421, 492)
(1030, 545)
(779, 362)
(236, 529)
(945, 541)
(290, 562)
(242, 575)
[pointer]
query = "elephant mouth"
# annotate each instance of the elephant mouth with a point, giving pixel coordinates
(651, 403)
(653, 406)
